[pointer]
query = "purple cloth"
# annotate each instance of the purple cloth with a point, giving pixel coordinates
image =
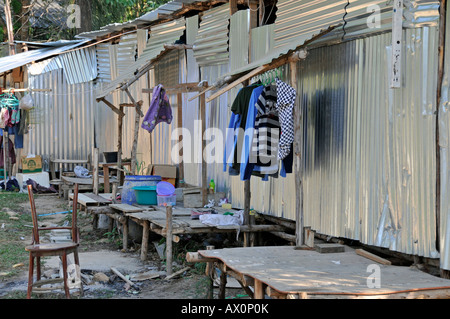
(159, 110)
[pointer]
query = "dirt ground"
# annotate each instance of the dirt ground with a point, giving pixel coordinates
(100, 251)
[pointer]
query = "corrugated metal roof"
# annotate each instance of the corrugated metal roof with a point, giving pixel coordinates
(21, 59)
(166, 33)
(301, 20)
(78, 66)
(211, 44)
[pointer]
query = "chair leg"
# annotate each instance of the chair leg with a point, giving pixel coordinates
(66, 285)
(30, 276)
(38, 268)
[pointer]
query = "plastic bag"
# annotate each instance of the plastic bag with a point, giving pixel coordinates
(82, 172)
(26, 103)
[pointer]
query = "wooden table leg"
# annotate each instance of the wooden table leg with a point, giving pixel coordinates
(144, 245)
(106, 178)
(125, 233)
(259, 290)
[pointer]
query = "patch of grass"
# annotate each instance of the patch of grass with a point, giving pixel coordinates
(12, 232)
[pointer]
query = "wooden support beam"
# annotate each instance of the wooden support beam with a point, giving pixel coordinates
(179, 88)
(233, 7)
(119, 144)
(95, 170)
(169, 226)
(180, 125)
(111, 106)
(145, 235)
(298, 168)
(201, 93)
(204, 166)
(259, 290)
(210, 274)
(373, 257)
(137, 119)
(195, 257)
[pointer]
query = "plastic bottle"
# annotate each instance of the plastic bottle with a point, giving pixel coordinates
(212, 186)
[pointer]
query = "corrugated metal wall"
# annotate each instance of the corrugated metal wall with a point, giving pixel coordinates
(444, 144)
(369, 159)
(64, 121)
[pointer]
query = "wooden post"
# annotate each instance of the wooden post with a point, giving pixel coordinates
(233, 6)
(119, 145)
(180, 125)
(144, 244)
(12, 51)
(137, 119)
(125, 233)
(210, 273)
(223, 282)
(9, 28)
(247, 218)
(298, 167)
(204, 166)
(95, 170)
(169, 240)
(259, 290)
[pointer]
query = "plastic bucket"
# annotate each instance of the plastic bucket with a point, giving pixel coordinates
(128, 194)
(145, 195)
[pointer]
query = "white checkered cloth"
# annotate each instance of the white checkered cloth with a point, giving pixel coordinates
(286, 96)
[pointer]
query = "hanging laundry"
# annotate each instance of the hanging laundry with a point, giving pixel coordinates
(267, 131)
(11, 154)
(239, 109)
(4, 117)
(159, 110)
(246, 166)
(286, 96)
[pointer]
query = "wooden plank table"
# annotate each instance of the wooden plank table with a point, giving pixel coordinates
(286, 272)
(106, 166)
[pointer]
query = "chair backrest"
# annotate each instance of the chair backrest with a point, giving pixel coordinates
(73, 227)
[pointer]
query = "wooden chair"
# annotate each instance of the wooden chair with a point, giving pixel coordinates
(38, 250)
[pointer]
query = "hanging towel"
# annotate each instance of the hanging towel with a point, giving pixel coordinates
(159, 110)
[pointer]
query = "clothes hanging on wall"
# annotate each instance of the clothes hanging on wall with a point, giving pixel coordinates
(12, 118)
(236, 127)
(286, 96)
(10, 153)
(159, 110)
(260, 133)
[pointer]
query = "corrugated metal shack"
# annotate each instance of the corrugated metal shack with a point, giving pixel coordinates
(374, 158)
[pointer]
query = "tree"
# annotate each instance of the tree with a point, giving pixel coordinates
(46, 20)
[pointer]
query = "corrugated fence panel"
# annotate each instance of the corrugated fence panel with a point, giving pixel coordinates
(369, 159)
